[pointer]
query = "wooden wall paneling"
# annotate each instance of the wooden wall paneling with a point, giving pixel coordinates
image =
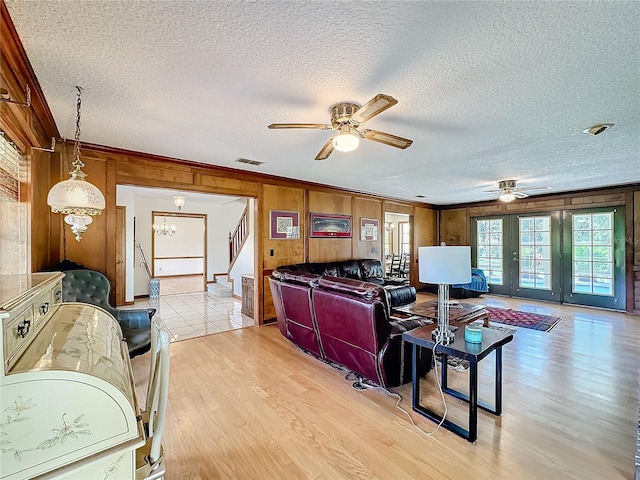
(229, 186)
(533, 204)
(147, 174)
(276, 252)
(591, 201)
(367, 208)
(330, 249)
(454, 227)
(478, 211)
(281, 252)
(424, 230)
(40, 170)
(393, 207)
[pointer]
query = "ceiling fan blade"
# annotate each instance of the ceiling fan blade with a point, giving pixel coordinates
(373, 107)
(387, 138)
(519, 194)
(498, 190)
(326, 150)
(527, 189)
(317, 126)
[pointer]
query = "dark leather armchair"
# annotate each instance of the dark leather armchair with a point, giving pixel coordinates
(89, 286)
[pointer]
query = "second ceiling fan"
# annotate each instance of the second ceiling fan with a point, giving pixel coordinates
(347, 118)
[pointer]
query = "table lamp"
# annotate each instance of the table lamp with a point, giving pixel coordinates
(445, 266)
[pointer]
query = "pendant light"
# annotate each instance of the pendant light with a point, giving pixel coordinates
(78, 199)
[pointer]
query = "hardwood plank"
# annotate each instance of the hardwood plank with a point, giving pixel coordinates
(248, 404)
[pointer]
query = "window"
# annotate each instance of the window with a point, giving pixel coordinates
(592, 249)
(405, 237)
(490, 234)
(535, 252)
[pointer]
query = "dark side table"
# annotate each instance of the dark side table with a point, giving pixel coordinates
(473, 352)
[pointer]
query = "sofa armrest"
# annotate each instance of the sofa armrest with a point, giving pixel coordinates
(400, 295)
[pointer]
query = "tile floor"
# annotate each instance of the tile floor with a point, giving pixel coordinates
(189, 315)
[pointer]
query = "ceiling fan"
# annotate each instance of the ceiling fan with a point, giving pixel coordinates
(347, 118)
(510, 192)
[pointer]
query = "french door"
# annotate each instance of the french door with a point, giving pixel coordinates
(520, 254)
(576, 257)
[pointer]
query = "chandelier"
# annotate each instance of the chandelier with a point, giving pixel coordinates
(78, 199)
(164, 228)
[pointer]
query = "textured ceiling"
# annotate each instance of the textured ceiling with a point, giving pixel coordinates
(487, 90)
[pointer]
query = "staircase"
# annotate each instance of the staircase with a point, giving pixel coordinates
(237, 239)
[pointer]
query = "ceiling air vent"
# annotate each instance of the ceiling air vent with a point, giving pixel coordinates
(249, 162)
(419, 196)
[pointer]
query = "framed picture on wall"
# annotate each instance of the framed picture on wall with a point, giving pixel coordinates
(284, 225)
(329, 225)
(369, 229)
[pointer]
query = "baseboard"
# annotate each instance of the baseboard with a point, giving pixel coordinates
(237, 297)
(216, 275)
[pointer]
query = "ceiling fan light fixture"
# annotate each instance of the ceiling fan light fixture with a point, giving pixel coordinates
(346, 141)
(507, 197)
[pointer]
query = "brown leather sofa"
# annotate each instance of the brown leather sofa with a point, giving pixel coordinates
(346, 321)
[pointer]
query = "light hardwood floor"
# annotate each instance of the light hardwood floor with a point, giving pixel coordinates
(247, 404)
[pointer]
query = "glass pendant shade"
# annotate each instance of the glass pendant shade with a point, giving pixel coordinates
(346, 141)
(78, 224)
(178, 201)
(75, 196)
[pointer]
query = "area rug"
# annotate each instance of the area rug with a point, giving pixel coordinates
(516, 318)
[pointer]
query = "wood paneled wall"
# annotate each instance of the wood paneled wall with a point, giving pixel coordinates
(371, 209)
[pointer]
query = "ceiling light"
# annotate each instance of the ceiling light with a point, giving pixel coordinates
(597, 129)
(75, 197)
(346, 141)
(178, 201)
(507, 197)
(164, 228)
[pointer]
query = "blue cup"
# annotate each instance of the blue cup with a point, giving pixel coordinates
(473, 334)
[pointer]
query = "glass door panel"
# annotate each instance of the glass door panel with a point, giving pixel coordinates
(489, 252)
(595, 269)
(535, 256)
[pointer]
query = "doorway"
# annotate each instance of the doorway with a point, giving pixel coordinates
(179, 251)
(397, 244)
(566, 257)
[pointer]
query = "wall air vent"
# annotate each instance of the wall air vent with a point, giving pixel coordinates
(249, 162)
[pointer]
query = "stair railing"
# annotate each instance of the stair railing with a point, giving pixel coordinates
(237, 239)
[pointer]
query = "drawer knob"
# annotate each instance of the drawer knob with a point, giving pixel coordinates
(24, 328)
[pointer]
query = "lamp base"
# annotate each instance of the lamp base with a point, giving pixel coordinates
(443, 336)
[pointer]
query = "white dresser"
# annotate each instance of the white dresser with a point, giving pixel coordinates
(67, 398)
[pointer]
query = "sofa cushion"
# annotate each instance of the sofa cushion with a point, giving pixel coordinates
(350, 269)
(400, 295)
(371, 268)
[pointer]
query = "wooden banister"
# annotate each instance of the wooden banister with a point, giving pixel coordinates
(237, 239)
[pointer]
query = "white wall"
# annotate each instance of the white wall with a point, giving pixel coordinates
(244, 262)
(220, 220)
(188, 241)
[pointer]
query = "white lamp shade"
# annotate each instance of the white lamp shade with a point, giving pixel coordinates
(76, 197)
(507, 197)
(444, 264)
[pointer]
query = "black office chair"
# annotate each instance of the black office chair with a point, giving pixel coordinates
(90, 286)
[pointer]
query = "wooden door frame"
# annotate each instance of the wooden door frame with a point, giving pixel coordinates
(121, 256)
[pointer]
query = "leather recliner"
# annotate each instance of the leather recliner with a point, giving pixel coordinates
(349, 322)
(90, 286)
